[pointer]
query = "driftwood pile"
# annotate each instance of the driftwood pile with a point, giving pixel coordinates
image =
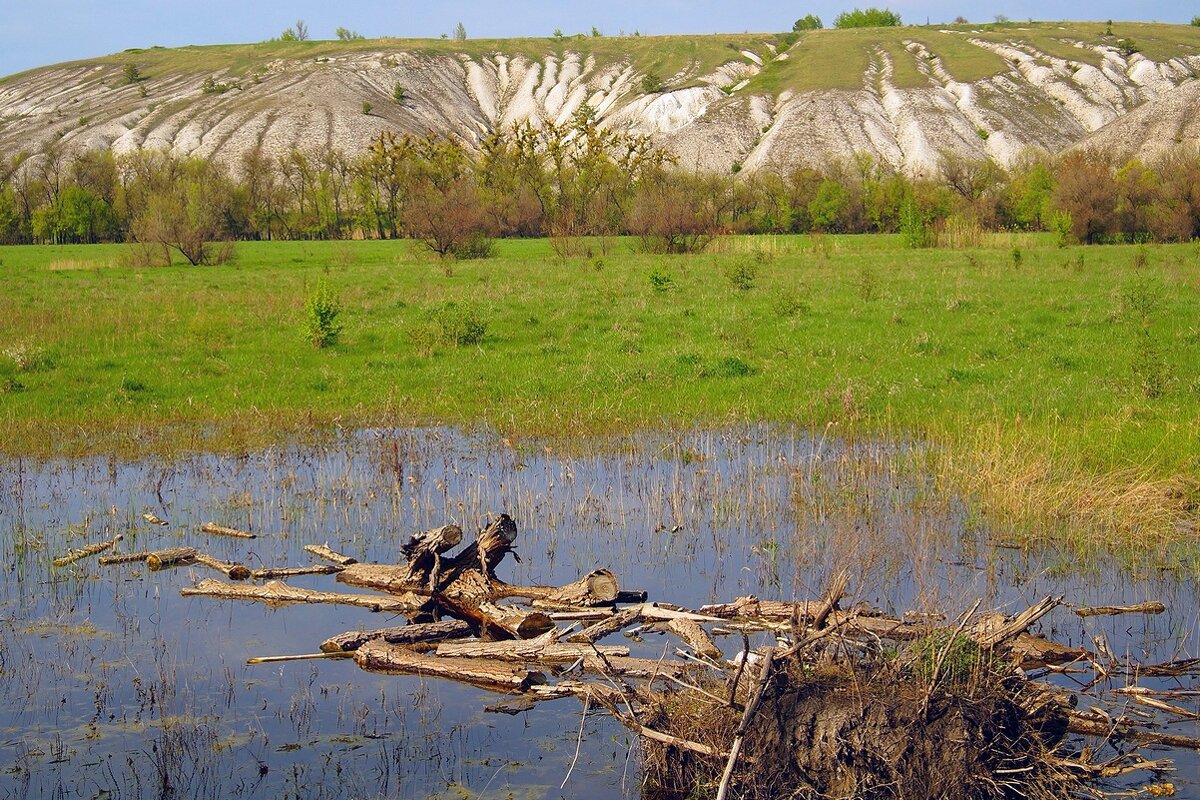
(813, 699)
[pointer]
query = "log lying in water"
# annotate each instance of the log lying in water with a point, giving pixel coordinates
(597, 588)
(291, 572)
(402, 634)
(92, 549)
(124, 558)
(154, 520)
(235, 572)
(608, 626)
(221, 530)
(1140, 608)
(540, 649)
(171, 557)
(379, 656)
(323, 551)
(279, 593)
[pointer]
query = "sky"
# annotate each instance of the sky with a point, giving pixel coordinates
(34, 34)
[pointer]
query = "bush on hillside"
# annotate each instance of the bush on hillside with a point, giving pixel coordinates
(867, 18)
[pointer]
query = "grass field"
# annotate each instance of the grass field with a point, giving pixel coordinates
(1065, 383)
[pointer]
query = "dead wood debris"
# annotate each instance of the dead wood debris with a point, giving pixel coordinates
(897, 700)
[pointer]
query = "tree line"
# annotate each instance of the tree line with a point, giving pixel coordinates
(566, 182)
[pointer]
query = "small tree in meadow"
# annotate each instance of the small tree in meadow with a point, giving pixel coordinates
(321, 311)
(809, 22)
(460, 33)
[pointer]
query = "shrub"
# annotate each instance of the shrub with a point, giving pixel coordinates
(1196, 21)
(321, 312)
(131, 73)
(399, 94)
(742, 275)
(347, 35)
(1127, 47)
(652, 83)
(454, 323)
(809, 22)
(366, 108)
(868, 18)
(660, 280)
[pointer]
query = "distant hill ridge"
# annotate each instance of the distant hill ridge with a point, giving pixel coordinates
(907, 96)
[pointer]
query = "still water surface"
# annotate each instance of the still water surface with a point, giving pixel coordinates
(115, 686)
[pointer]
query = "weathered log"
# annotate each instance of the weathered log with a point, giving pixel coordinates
(92, 549)
(1089, 725)
(491, 544)
(630, 667)
(323, 551)
(171, 557)
(235, 572)
(124, 558)
(597, 588)
(695, 637)
(403, 634)
(380, 656)
(424, 551)
(606, 627)
(772, 610)
(301, 657)
(291, 572)
(154, 520)
(989, 634)
(279, 593)
(1139, 608)
(1034, 651)
(539, 649)
(221, 530)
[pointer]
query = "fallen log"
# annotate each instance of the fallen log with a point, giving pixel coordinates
(171, 557)
(695, 637)
(992, 633)
(291, 572)
(124, 558)
(154, 520)
(539, 649)
(92, 549)
(1140, 608)
(323, 551)
(379, 656)
(403, 634)
(279, 593)
(235, 572)
(606, 627)
(598, 588)
(1088, 725)
(424, 552)
(221, 530)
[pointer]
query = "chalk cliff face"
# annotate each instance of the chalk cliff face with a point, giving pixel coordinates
(719, 117)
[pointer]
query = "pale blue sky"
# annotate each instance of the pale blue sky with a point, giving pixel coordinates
(34, 34)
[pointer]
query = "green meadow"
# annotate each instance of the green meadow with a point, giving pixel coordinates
(1059, 387)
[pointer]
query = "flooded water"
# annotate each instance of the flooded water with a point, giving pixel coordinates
(115, 686)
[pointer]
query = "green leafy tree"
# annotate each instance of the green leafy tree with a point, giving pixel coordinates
(460, 33)
(131, 73)
(347, 35)
(829, 206)
(809, 22)
(867, 18)
(321, 311)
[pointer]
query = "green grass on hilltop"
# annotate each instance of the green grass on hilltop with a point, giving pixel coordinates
(1036, 370)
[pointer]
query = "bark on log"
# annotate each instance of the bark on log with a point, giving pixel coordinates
(606, 627)
(1086, 725)
(124, 558)
(235, 572)
(221, 530)
(993, 636)
(278, 593)
(92, 549)
(323, 551)
(529, 650)
(597, 588)
(290, 572)
(630, 667)
(1140, 608)
(380, 656)
(171, 557)
(695, 637)
(490, 546)
(153, 520)
(403, 634)
(424, 551)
